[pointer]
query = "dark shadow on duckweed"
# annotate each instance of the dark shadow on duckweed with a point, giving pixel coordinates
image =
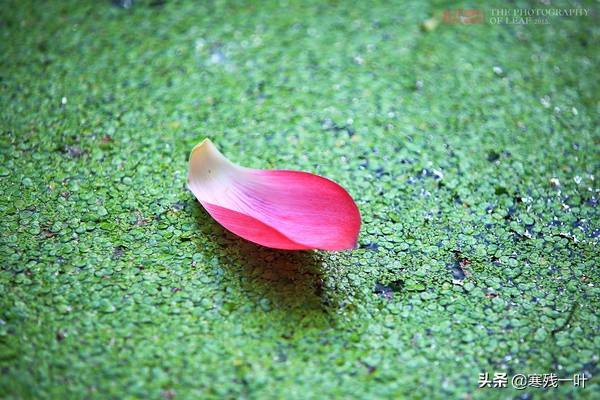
(272, 279)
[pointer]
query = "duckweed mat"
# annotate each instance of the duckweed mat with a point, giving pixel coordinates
(471, 150)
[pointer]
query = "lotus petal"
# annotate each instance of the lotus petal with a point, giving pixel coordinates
(281, 209)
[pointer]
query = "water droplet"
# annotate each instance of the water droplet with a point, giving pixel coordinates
(545, 101)
(217, 57)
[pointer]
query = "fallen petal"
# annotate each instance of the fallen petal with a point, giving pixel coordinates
(282, 209)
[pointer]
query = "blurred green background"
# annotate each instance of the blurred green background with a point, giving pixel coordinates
(471, 150)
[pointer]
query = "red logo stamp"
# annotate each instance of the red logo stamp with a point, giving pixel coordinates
(465, 17)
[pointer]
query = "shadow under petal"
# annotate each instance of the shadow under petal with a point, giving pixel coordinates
(293, 281)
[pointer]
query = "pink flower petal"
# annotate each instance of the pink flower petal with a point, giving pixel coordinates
(282, 209)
